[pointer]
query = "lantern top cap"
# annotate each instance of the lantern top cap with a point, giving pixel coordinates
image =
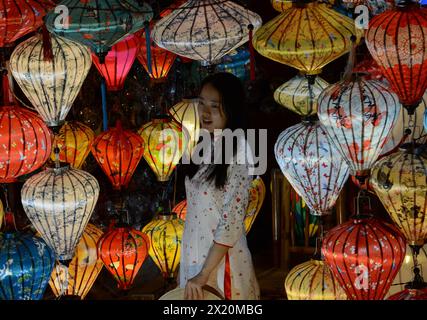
(167, 216)
(190, 99)
(361, 217)
(162, 118)
(62, 168)
(407, 4)
(310, 120)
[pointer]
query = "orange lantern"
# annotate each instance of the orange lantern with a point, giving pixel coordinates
(181, 210)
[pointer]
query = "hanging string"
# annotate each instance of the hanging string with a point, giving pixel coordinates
(148, 46)
(104, 105)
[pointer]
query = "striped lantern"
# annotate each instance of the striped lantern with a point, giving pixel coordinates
(165, 233)
(312, 280)
(50, 85)
(59, 203)
(306, 37)
(25, 143)
(123, 250)
(256, 199)
(78, 277)
(205, 30)
(118, 153)
(26, 263)
(73, 140)
(364, 255)
(181, 209)
(300, 96)
(312, 166)
(358, 115)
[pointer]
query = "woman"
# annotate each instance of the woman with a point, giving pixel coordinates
(214, 250)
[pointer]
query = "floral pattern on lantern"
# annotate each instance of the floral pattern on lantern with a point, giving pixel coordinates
(256, 199)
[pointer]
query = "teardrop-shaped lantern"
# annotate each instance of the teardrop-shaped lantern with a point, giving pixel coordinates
(118, 62)
(181, 209)
(50, 85)
(25, 142)
(256, 199)
(166, 142)
(399, 180)
(299, 96)
(73, 140)
(123, 250)
(397, 40)
(312, 280)
(59, 203)
(205, 30)
(165, 233)
(306, 37)
(118, 153)
(364, 255)
(78, 277)
(26, 264)
(312, 166)
(358, 115)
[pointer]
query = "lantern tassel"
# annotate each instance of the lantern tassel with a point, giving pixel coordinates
(104, 105)
(148, 46)
(251, 52)
(47, 45)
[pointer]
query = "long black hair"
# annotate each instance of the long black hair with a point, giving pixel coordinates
(233, 104)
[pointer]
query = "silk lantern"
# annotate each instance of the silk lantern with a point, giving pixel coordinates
(51, 85)
(307, 37)
(26, 263)
(25, 142)
(205, 30)
(312, 166)
(123, 250)
(118, 153)
(59, 203)
(364, 255)
(78, 277)
(165, 233)
(256, 198)
(181, 210)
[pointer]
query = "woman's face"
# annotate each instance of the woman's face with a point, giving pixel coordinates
(211, 112)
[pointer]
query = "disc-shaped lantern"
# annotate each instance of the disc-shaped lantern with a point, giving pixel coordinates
(78, 277)
(118, 152)
(312, 280)
(256, 198)
(117, 62)
(59, 203)
(26, 264)
(306, 37)
(364, 255)
(358, 115)
(166, 142)
(73, 140)
(165, 233)
(397, 40)
(25, 142)
(309, 161)
(123, 250)
(51, 85)
(181, 209)
(205, 30)
(300, 95)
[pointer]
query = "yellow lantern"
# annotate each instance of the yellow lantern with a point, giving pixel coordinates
(312, 280)
(165, 234)
(307, 37)
(73, 140)
(256, 199)
(78, 278)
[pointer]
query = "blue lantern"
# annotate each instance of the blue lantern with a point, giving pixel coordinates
(236, 62)
(26, 263)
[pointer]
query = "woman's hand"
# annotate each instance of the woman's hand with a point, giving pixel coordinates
(194, 287)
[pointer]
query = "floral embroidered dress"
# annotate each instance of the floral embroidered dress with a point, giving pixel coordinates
(217, 215)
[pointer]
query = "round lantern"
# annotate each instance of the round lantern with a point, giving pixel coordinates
(397, 40)
(300, 96)
(73, 140)
(358, 115)
(205, 30)
(181, 210)
(78, 277)
(25, 143)
(256, 198)
(166, 142)
(26, 263)
(364, 255)
(165, 233)
(312, 280)
(50, 85)
(123, 250)
(118, 152)
(59, 203)
(312, 166)
(306, 37)
(117, 62)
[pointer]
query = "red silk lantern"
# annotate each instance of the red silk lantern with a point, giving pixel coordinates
(123, 250)
(118, 152)
(118, 62)
(365, 255)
